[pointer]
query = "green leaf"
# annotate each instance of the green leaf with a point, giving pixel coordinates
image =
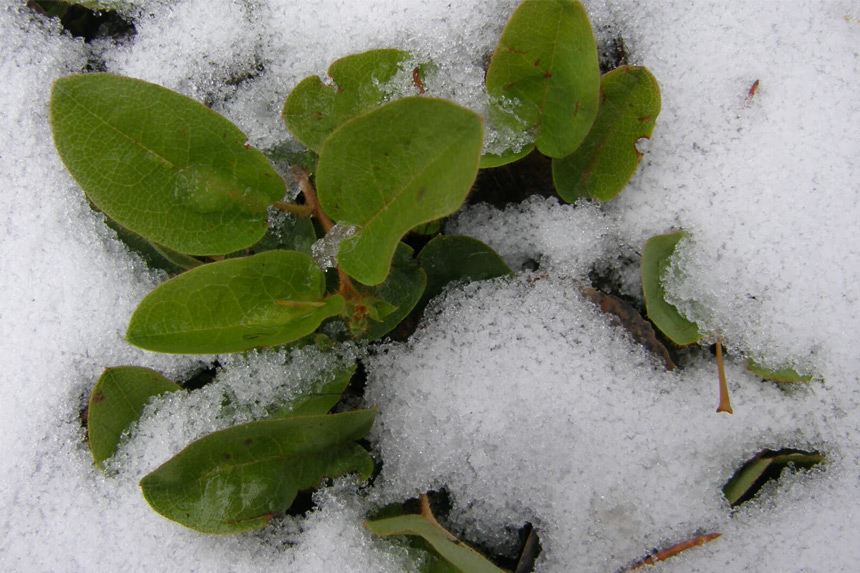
(781, 375)
(450, 258)
(313, 110)
(236, 479)
(544, 77)
(161, 164)
(406, 163)
(116, 402)
(749, 479)
(401, 290)
(607, 159)
(655, 261)
(449, 547)
(156, 256)
(489, 160)
(292, 233)
(323, 394)
(268, 299)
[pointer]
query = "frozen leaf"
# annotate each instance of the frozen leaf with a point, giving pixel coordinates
(629, 318)
(449, 547)
(601, 167)
(781, 375)
(754, 473)
(324, 394)
(268, 299)
(116, 402)
(162, 165)
(406, 163)
(314, 110)
(450, 258)
(655, 261)
(489, 160)
(544, 77)
(235, 480)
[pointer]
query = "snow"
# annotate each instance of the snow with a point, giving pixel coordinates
(516, 396)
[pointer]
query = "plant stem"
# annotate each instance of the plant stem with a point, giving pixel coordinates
(311, 198)
(672, 551)
(725, 405)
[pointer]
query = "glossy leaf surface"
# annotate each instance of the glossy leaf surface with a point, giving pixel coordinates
(449, 258)
(313, 110)
(603, 165)
(161, 164)
(449, 547)
(406, 163)
(268, 299)
(544, 76)
(236, 479)
(116, 403)
(655, 261)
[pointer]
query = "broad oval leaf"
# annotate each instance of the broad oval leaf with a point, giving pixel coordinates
(602, 166)
(406, 163)
(268, 299)
(313, 110)
(162, 165)
(449, 258)
(116, 402)
(655, 261)
(544, 76)
(236, 479)
(449, 547)
(490, 160)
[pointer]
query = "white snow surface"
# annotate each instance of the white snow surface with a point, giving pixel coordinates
(516, 396)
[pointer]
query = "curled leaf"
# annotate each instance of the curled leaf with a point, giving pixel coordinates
(116, 403)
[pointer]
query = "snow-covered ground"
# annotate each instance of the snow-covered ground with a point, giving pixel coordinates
(517, 396)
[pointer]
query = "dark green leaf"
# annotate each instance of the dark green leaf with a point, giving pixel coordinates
(236, 479)
(321, 397)
(489, 160)
(450, 258)
(544, 77)
(314, 110)
(292, 233)
(162, 165)
(402, 290)
(655, 261)
(156, 256)
(781, 375)
(601, 167)
(449, 547)
(406, 163)
(268, 299)
(749, 479)
(116, 402)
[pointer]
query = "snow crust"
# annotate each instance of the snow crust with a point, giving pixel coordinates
(516, 396)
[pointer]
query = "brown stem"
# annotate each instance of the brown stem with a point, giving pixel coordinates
(725, 404)
(311, 198)
(672, 551)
